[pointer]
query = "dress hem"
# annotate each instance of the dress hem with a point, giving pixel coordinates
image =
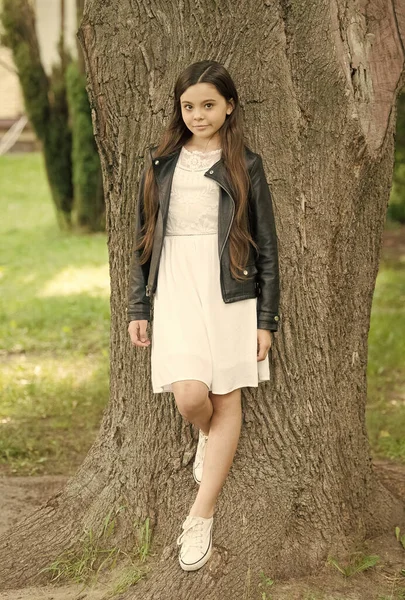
(161, 389)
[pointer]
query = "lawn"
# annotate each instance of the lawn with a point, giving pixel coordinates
(54, 328)
(54, 334)
(386, 352)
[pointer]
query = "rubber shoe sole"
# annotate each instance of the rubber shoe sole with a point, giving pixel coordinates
(199, 563)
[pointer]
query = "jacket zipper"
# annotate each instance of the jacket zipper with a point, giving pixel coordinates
(230, 224)
(227, 234)
(233, 212)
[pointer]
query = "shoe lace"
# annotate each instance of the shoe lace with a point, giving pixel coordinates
(192, 536)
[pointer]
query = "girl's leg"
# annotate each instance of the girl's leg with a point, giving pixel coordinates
(194, 402)
(220, 415)
(225, 427)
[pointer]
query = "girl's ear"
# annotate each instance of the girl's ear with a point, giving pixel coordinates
(230, 108)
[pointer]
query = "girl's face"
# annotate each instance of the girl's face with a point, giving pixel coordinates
(204, 110)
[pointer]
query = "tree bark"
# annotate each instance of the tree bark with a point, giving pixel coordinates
(318, 83)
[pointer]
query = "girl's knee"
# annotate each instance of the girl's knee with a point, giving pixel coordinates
(190, 396)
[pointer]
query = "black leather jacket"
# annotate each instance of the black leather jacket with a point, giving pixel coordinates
(262, 272)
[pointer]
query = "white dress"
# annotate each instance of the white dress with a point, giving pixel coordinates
(196, 335)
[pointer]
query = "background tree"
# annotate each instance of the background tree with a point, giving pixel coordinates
(58, 106)
(44, 100)
(318, 82)
(89, 205)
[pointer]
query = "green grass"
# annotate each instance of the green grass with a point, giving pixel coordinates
(54, 334)
(359, 561)
(96, 553)
(50, 410)
(54, 328)
(54, 285)
(386, 365)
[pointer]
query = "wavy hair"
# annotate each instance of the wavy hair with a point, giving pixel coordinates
(232, 139)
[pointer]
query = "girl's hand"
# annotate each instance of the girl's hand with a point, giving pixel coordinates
(263, 343)
(137, 333)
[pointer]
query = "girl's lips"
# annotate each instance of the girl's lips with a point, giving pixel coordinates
(200, 126)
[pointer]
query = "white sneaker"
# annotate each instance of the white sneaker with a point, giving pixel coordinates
(196, 542)
(199, 457)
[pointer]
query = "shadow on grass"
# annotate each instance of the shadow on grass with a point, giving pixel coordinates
(51, 410)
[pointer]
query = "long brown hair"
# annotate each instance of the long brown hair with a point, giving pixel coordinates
(231, 134)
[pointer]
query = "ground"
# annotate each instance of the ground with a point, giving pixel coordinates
(21, 495)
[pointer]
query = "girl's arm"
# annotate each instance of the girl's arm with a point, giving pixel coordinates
(265, 236)
(138, 306)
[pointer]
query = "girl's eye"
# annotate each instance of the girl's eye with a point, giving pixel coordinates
(208, 104)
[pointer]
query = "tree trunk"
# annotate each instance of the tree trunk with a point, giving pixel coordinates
(319, 83)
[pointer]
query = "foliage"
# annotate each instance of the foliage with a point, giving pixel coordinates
(44, 100)
(400, 539)
(89, 204)
(357, 562)
(65, 131)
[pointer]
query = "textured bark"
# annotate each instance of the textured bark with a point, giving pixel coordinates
(318, 83)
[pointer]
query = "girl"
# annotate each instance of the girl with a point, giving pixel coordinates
(209, 259)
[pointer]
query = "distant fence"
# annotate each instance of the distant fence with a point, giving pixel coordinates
(11, 136)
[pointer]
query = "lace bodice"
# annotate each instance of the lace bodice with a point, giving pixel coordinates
(196, 160)
(194, 198)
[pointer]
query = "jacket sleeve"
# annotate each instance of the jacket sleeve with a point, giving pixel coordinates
(138, 305)
(266, 237)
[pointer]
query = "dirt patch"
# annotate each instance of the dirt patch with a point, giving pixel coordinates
(71, 592)
(21, 495)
